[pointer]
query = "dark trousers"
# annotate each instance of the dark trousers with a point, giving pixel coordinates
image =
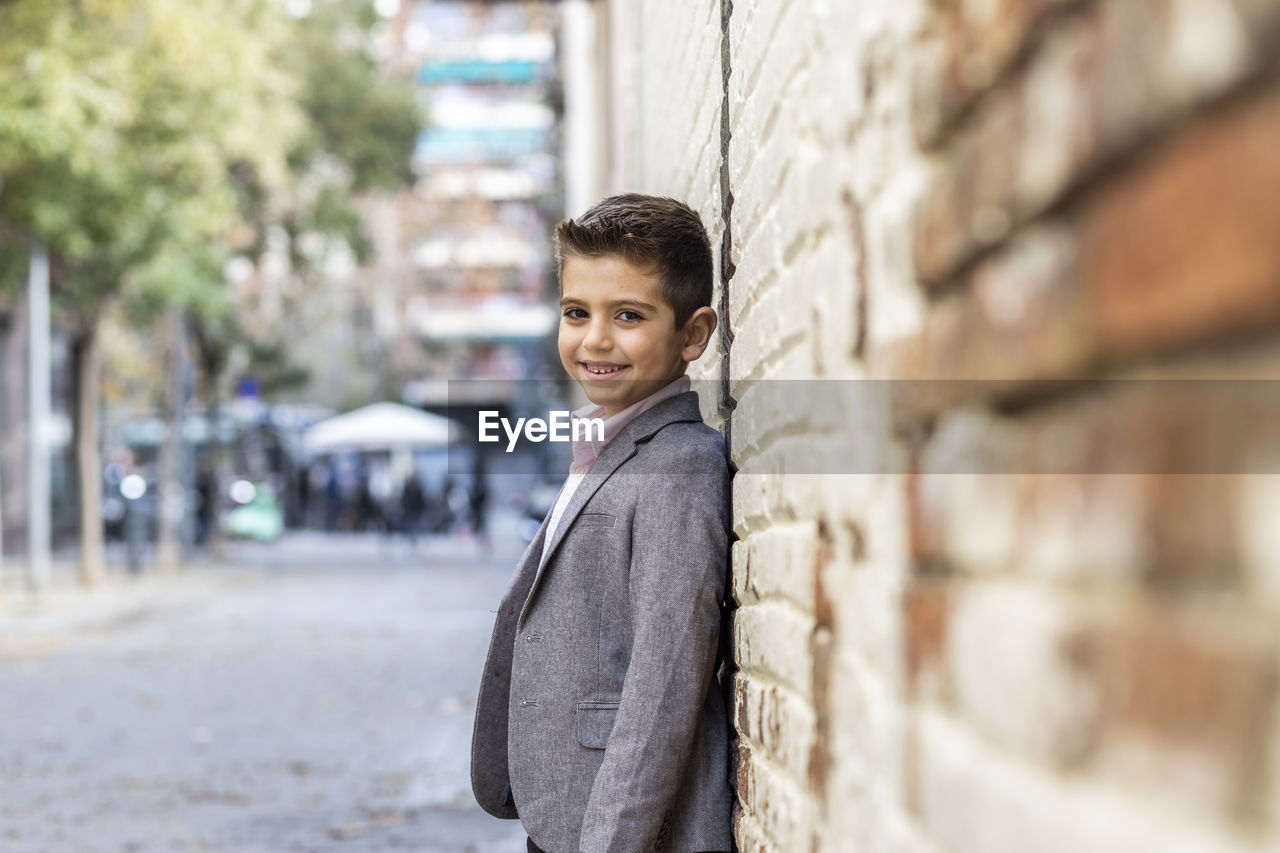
(533, 848)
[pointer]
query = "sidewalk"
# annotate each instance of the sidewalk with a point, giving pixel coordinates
(316, 693)
(68, 611)
(32, 623)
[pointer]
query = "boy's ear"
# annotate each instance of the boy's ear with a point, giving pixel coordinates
(697, 333)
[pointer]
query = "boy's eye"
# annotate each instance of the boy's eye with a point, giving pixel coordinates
(575, 313)
(629, 316)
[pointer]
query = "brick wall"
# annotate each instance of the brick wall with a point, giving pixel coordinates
(1048, 619)
(665, 95)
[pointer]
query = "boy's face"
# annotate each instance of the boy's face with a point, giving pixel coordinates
(618, 338)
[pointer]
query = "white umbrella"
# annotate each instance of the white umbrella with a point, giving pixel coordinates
(381, 426)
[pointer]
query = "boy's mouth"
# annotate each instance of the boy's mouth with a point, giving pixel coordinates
(601, 370)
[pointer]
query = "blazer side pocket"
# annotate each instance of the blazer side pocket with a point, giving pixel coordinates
(595, 722)
(594, 519)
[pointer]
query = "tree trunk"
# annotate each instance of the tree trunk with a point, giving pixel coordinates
(211, 376)
(171, 497)
(217, 542)
(89, 456)
(211, 357)
(1, 521)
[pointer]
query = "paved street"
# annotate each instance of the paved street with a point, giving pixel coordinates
(316, 696)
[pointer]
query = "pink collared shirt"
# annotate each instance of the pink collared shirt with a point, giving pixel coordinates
(588, 448)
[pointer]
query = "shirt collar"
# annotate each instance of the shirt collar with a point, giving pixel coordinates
(588, 446)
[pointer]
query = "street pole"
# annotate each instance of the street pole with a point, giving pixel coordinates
(39, 385)
(1, 518)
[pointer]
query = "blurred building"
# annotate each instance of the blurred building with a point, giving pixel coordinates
(458, 282)
(475, 252)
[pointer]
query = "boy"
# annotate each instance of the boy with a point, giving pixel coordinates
(596, 724)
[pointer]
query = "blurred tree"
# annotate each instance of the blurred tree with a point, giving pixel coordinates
(147, 142)
(360, 114)
(360, 128)
(117, 123)
(362, 125)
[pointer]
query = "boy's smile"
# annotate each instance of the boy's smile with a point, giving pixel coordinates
(618, 338)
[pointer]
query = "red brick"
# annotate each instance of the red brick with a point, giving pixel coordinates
(1164, 453)
(970, 54)
(970, 204)
(1186, 691)
(1110, 67)
(1180, 250)
(1187, 246)
(924, 618)
(1019, 319)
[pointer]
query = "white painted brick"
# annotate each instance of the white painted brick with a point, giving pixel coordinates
(771, 639)
(866, 601)
(1258, 500)
(744, 591)
(757, 499)
(762, 499)
(781, 722)
(832, 266)
(897, 306)
(1009, 651)
(868, 732)
(772, 326)
(977, 800)
(1272, 806)
(750, 835)
(783, 560)
(1061, 527)
(979, 512)
(781, 807)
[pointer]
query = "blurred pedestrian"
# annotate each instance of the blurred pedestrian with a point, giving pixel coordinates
(413, 503)
(455, 500)
(300, 478)
(478, 500)
(332, 497)
(366, 508)
(206, 500)
(384, 508)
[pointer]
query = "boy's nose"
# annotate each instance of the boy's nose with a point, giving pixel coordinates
(597, 337)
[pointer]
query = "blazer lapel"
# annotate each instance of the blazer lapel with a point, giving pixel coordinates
(526, 571)
(682, 407)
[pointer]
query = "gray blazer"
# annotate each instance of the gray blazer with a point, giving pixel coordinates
(594, 717)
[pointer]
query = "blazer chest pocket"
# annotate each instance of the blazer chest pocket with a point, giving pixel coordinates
(595, 722)
(594, 519)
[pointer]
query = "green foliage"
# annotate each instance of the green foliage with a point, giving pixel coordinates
(362, 124)
(359, 114)
(188, 276)
(119, 121)
(276, 371)
(149, 141)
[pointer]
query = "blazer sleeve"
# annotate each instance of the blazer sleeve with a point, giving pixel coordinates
(680, 540)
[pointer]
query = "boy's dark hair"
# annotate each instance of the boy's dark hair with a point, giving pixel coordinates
(659, 235)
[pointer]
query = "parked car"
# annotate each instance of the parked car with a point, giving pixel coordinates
(258, 514)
